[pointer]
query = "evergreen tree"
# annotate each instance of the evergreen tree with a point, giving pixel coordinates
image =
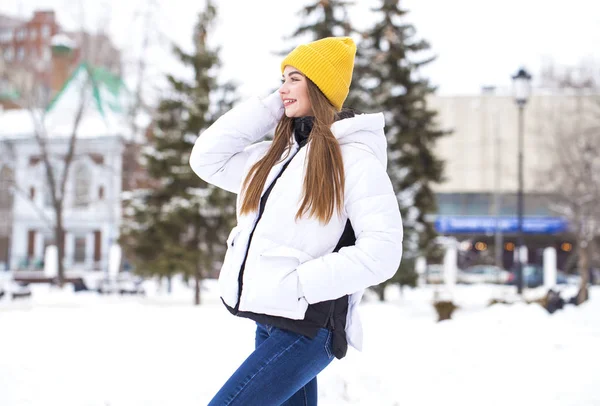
(179, 225)
(322, 19)
(390, 74)
(331, 20)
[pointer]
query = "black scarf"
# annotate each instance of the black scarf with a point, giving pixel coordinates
(302, 128)
(303, 125)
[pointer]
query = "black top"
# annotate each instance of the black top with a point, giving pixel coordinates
(329, 314)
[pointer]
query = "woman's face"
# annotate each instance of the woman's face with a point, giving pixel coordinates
(294, 93)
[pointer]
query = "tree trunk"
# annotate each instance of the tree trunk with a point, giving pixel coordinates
(60, 245)
(380, 289)
(197, 279)
(584, 267)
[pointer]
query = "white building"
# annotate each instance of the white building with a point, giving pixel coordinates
(481, 153)
(92, 201)
(479, 195)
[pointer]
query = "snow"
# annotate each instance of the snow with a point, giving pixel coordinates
(16, 123)
(20, 124)
(65, 348)
(63, 40)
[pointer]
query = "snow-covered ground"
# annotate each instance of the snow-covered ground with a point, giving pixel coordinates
(62, 348)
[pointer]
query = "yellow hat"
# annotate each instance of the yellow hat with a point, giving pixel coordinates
(328, 62)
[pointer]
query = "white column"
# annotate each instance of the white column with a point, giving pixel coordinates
(107, 241)
(38, 251)
(69, 250)
(114, 260)
(18, 245)
(450, 267)
(549, 268)
(89, 251)
(51, 261)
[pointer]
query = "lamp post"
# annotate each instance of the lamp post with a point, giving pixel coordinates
(522, 90)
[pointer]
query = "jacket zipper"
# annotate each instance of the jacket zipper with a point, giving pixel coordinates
(260, 213)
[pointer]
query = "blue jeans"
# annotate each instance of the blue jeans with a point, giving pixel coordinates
(282, 370)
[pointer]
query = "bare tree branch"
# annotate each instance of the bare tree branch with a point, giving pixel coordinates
(574, 136)
(47, 221)
(73, 138)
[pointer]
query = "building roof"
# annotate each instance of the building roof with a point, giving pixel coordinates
(63, 40)
(105, 101)
(10, 22)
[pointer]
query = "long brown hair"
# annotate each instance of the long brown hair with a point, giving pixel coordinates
(323, 190)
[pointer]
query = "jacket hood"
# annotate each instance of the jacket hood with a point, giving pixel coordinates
(366, 130)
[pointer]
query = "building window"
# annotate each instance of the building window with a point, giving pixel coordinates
(97, 245)
(6, 35)
(80, 243)
(30, 243)
(20, 35)
(33, 34)
(34, 160)
(20, 53)
(9, 54)
(82, 184)
(45, 31)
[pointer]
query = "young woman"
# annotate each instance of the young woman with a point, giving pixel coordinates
(317, 222)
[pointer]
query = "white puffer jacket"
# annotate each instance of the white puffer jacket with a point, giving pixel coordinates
(290, 263)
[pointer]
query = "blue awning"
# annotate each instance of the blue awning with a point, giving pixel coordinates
(488, 224)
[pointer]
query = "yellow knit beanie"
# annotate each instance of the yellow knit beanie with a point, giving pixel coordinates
(328, 62)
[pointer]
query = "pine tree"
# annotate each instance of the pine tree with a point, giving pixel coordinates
(390, 74)
(179, 226)
(332, 20)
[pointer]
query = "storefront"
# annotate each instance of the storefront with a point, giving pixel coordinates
(471, 218)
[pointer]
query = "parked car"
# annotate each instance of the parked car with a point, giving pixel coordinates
(533, 276)
(124, 284)
(483, 274)
(14, 290)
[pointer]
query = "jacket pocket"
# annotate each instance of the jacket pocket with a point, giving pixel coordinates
(274, 288)
(228, 282)
(284, 251)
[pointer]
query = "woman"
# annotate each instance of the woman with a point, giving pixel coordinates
(317, 222)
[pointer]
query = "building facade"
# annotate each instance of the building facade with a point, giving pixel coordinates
(92, 211)
(93, 185)
(478, 200)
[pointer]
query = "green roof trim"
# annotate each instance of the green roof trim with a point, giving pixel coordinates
(108, 89)
(62, 49)
(10, 95)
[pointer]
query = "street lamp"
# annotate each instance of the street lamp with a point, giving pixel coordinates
(522, 91)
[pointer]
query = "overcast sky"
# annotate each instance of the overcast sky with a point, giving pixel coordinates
(478, 42)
